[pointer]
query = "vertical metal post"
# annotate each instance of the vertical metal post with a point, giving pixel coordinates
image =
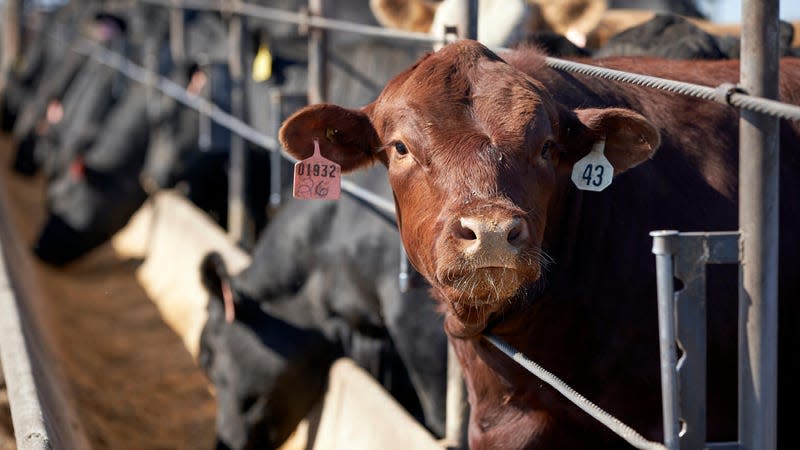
(204, 120)
(153, 96)
(456, 403)
(758, 222)
(467, 21)
(275, 158)
(240, 224)
(317, 56)
(11, 30)
(177, 45)
(457, 408)
(662, 248)
(404, 275)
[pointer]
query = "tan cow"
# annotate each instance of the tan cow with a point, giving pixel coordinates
(500, 22)
(587, 23)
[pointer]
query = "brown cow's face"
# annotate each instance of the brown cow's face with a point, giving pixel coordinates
(477, 151)
(472, 157)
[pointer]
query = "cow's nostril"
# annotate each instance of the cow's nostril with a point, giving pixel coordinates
(518, 233)
(463, 231)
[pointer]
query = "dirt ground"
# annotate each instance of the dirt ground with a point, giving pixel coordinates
(134, 383)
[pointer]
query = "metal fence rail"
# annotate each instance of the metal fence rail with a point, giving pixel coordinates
(304, 20)
(682, 324)
(168, 87)
(728, 94)
(30, 429)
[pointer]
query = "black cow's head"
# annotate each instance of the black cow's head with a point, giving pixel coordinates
(267, 371)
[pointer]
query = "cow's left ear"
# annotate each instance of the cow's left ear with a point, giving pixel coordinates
(346, 136)
(215, 278)
(630, 138)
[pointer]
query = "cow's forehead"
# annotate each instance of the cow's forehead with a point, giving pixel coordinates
(465, 85)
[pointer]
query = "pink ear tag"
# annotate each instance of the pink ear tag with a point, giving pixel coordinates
(317, 178)
(227, 300)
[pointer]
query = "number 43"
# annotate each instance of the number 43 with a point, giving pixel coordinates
(593, 171)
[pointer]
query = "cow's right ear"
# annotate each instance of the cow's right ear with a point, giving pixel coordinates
(630, 138)
(346, 136)
(215, 278)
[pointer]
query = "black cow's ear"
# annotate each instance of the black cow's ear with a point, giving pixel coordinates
(212, 271)
(630, 138)
(215, 278)
(346, 136)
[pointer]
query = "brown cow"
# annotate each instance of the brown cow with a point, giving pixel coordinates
(480, 152)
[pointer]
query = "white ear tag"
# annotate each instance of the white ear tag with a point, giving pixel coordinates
(593, 172)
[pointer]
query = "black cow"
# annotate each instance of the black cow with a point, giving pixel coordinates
(83, 109)
(338, 266)
(41, 55)
(62, 71)
(323, 283)
(173, 157)
(674, 37)
(81, 209)
(687, 8)
(95, 190)
(94, 197)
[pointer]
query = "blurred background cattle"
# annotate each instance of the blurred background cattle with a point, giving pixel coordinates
(102, 144)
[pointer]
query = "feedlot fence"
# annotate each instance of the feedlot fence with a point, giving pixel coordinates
(754, 245)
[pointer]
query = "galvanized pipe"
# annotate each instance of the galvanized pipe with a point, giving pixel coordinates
(758, 221)
(404, 276)
(204, 121)
(177, 39)
(30, 426)
(240, 224)
(154, 104)
(317, 56)
(457, 409)
(275, 158)
(663, 249)
(10, 37)
(467, 21)
(302, 19)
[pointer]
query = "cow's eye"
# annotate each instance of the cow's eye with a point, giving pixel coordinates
(400, 148)
(547, 148)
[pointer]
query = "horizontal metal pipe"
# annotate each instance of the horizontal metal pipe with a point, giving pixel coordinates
(26, 409)
(379, 204)
(280, 15)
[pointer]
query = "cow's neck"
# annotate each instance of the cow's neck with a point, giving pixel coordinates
(546, 322)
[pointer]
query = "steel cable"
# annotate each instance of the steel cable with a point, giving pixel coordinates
(624, 431)
(733, 98)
